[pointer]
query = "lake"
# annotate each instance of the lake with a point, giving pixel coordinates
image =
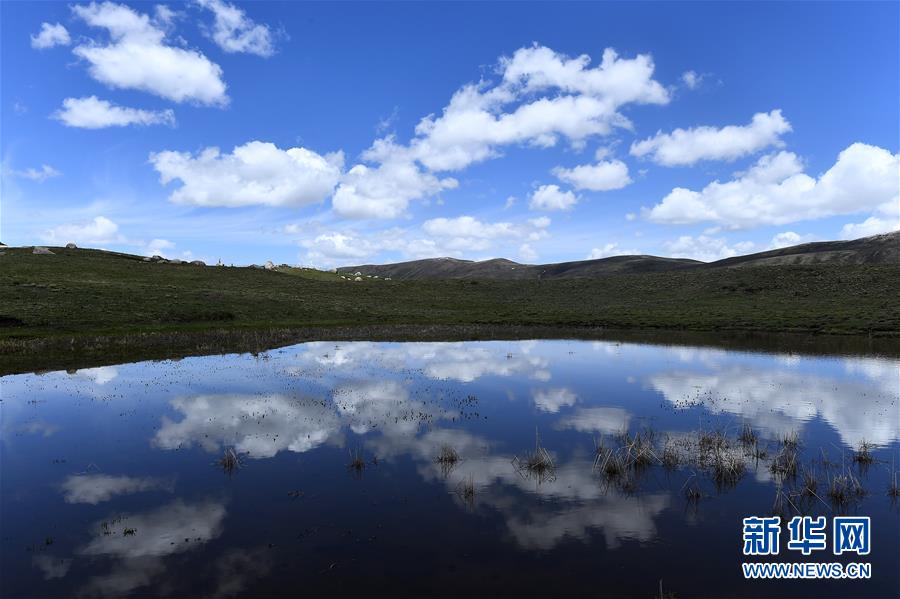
(553, 468)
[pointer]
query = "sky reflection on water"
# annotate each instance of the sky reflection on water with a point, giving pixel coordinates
(111, 484)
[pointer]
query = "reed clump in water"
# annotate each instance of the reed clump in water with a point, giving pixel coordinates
(844, 488)
(863, 454)
(537, 464)
(447, 459)
(230, 461)
(357, 462)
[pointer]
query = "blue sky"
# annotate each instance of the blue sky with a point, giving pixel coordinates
(369, 132)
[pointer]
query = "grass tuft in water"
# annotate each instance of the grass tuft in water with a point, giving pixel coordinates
(357, 462)
(748, 436)
(791, 440)
(844, 488)
(230, 461)
(863, 454)
(537, 464)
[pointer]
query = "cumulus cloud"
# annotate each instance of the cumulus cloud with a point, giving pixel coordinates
(384, 191)
(233, 31)
(603, 176)
(706, 248)
(436, 237)
(611, 249)
(155, 530)
(787, 239)
(871, 226)
(551, 197)
(100, 230)
(527, 253)
(689, 146)
(94, 113)
(49, 36)
(692, 79)
(776, 191)
(553, 400)
(137, 57)
(542, 97)
(254, 173)
(97, 488)
(37, 174)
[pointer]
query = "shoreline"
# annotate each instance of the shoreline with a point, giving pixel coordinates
(67, 352)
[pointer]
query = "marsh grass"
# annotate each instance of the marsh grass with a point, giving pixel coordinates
(670, 458)
(357, 461)
(748, 436)
(465, 490)
(231, 461)
(786, 462)
(844, 489)
(447, 459)
(863, 454)
(791, 440)
(537, 464)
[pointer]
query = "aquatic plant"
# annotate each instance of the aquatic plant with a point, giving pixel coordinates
(791, 439)
(748, 436)
(537, 464)
(863, 454)
(447, 459)
(670, 457)
(466, 489)
(230, 461)
(357, 462)
(785, 463)
(447, 455)
(844, 488)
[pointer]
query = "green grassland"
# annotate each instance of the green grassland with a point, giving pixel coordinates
(78, 294)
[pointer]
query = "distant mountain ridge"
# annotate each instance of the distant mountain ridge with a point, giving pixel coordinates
(878, 249)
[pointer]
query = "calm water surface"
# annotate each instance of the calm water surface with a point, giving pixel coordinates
(113, 480)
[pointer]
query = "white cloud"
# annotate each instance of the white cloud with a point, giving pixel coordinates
(689, 146)
(254, 173)
(233, 31)
(692, 79)
(385, 191)
(871, 226)
(551, 197)
(775, 191)
(603, 176)
(553, 400)
(542, 96)
(137, 57)
(157, 529)
(40, 175)
(787, 239)
(158, 247)
(97, 488)
(527, 253)
(705, 248)
(435, 238)
(339, 246)
(49, 36)
(100, 230)
(611, 249)
(93, 113)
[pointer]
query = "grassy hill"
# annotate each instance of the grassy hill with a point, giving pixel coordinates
(879, 249)
(81, 307)
(79, 291)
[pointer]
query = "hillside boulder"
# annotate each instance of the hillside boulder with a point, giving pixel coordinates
(269, 265)
(198, 262)
(71, 246)
(41, 250)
